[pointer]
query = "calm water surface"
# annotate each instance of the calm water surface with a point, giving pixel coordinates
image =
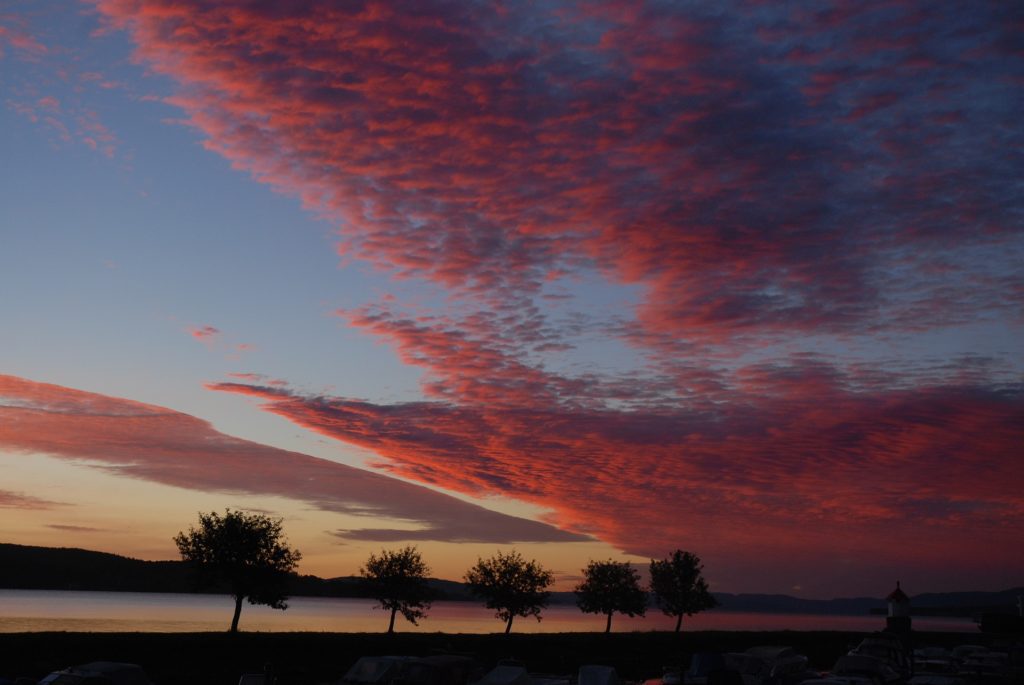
(46, 610)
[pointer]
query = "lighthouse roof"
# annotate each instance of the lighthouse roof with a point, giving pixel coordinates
(897, 595)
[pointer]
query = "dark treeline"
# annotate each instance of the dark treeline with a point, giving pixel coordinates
(24, 567)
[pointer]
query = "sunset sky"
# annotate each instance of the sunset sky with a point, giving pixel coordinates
(592, 280)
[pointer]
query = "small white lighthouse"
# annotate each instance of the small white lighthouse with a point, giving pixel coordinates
(898, 620)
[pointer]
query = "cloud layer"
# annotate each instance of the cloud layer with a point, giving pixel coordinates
(143, 441)
(766, 182)
(755, 170)
(805, 474)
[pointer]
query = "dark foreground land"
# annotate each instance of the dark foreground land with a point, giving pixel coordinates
(309, 658)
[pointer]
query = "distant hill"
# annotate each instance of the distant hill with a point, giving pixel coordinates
(785, 604)
(49, 568)
(929, 604)
(24, 567)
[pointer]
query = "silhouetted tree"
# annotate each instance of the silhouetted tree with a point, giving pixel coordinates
(679, 587)
(246, 553)
(610, 586)
(398, 580)
(510, 585)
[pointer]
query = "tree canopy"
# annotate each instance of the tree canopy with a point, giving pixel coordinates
(609, 587)
(679, 587)
(398, 580)
(510, 585)
(245, 553)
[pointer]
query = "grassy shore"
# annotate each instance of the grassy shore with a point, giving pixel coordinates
(220, 658)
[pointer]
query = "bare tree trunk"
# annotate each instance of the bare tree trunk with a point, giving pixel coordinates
(608, 626)
(391, 626)
(238, 612)
(508, 626)
(679, 622)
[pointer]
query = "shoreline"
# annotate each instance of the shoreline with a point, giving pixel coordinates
(85, 611)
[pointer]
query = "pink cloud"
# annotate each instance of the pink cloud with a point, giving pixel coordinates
(20, 41)
(249, 377)
(147, 442)
(95, 134)
(649, 143)
(51, 103)
(798, 472)
(19, 500)
(63, 109)
(759, 177)
(204, 333)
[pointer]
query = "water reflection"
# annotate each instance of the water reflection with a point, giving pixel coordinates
(44, 610)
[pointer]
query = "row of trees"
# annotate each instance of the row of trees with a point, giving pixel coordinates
(247, 554)
(514, 587)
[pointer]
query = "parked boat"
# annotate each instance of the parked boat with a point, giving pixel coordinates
(702, 665)
(778, 666)
(508, 674)
(963, 652)
(376, 670)
(112, 672)
(863, 666)
(990, 668)
(936, 679)
(441, 669)
(592, 674)
(933, 660)
(888, 649)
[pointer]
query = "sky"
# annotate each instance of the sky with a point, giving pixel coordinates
(590, 280)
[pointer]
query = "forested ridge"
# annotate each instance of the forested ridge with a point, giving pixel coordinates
(25, 567)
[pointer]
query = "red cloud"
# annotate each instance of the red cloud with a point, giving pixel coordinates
(748, 188)
(759, 175)
(153, 443)
(804, 478)
(250, 377)
(203, 333)
(95, 134)
(20, 41)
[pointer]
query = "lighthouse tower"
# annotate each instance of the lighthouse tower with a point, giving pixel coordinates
(898, 620)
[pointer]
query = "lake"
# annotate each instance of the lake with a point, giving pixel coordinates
(49, 610)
